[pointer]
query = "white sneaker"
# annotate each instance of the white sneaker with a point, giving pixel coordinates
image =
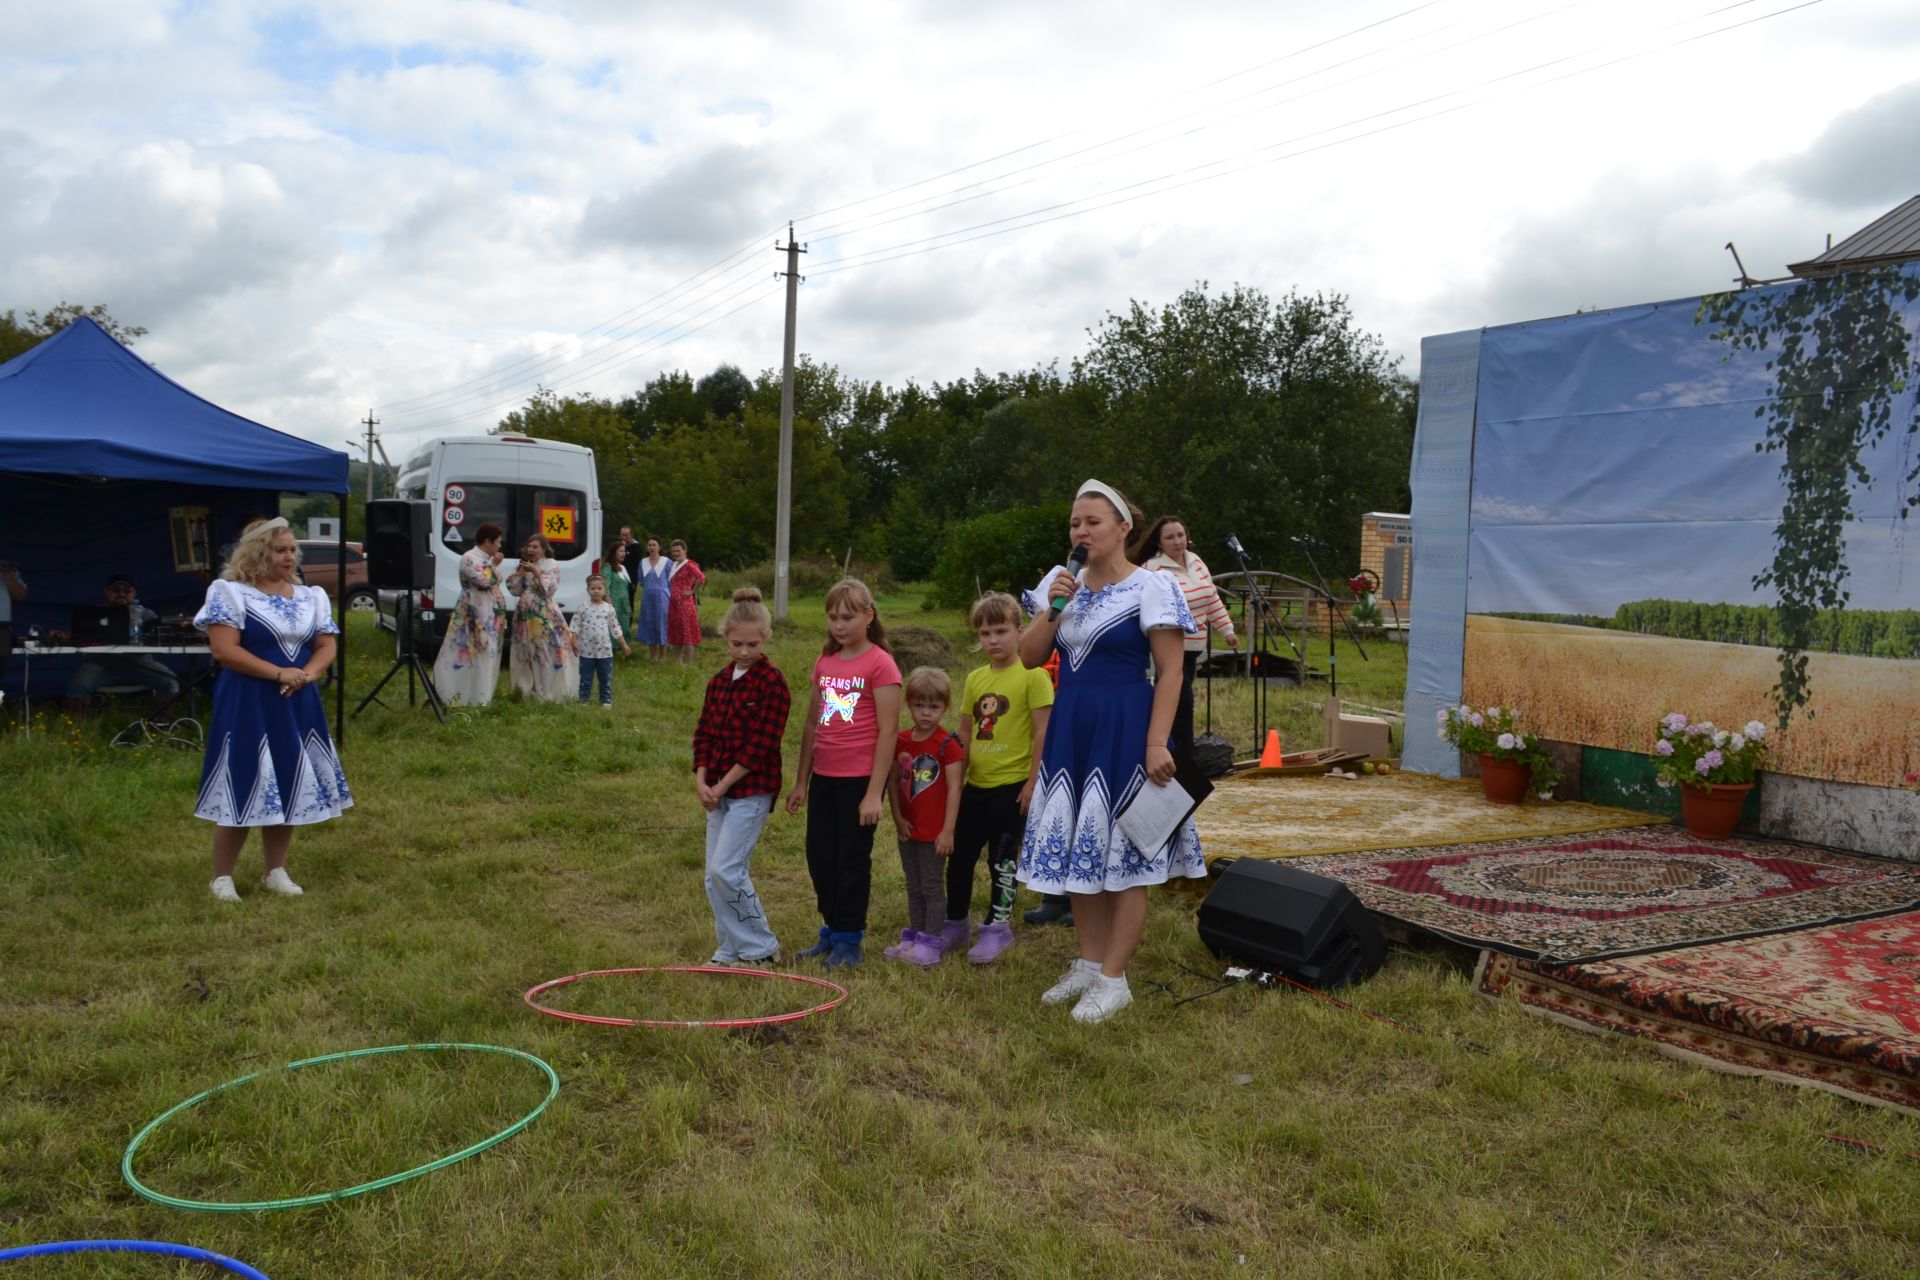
(1081, 974)
(280, 882)
(1106, 997)
(223, 889)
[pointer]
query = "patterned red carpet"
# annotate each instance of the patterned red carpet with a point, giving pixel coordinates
(1615, 893)
(1837, 1007)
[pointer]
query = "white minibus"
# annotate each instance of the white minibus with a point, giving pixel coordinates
(524, 485)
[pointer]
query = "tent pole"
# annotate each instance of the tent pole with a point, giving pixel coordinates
(340, 607)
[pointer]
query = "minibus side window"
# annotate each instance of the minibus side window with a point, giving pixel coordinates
(475, 505)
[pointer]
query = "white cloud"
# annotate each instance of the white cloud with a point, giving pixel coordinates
(315, 209)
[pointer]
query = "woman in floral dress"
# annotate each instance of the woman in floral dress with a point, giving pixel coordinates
(546, 658)
(468, 668)
(683, 607)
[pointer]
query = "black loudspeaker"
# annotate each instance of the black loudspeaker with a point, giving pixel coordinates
(1277, 918)
(400, 544)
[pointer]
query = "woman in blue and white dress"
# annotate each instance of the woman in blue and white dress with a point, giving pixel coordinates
(651, 578)
(270, 760)
(1106, 739)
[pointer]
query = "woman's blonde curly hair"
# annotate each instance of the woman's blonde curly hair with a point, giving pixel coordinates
(251, 555)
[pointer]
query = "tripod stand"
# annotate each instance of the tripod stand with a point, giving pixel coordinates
(408, 657)
(1259, 614)
(1306, 545)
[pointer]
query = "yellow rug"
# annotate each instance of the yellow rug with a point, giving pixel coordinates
(1278, 817)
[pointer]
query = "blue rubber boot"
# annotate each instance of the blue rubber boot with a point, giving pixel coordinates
(846, 949)
(822, 948)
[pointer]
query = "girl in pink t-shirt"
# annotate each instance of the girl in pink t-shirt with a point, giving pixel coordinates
(846, 757)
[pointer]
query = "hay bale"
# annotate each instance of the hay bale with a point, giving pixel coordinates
(919, 647)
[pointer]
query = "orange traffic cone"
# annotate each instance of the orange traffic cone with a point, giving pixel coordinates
(1270, 757)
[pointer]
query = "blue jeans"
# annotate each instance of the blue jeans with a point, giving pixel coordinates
(739, 924)
(114, 670)
(603, 667)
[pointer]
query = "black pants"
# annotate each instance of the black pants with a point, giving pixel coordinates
(1181, 739)
(989, 816)
(839, 852)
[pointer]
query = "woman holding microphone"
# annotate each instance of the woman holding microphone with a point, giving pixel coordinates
(1108, 737)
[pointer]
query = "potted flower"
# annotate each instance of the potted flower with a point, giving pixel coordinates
(1713, 767)
(1511, 762)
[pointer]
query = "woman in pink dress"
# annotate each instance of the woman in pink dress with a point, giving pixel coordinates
(683, 607)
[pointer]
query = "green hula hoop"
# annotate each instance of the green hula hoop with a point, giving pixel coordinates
(329, 1197)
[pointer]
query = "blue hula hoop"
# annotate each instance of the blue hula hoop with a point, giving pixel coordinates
(133, 1246)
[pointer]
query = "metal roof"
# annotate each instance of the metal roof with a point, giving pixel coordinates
(1892, 237)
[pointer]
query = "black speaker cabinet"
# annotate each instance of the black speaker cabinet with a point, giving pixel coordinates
(1280, 919)
(400, 544)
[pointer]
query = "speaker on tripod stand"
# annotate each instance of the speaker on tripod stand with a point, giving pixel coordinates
(400, 558)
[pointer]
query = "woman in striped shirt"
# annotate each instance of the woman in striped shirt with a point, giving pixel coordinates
(1165, 549)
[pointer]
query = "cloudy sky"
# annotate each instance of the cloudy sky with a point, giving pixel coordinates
(427, 207)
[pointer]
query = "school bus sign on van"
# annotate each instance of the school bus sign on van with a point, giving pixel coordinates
(557, 523)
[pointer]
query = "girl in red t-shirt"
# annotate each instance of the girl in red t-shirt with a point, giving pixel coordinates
(846, 757)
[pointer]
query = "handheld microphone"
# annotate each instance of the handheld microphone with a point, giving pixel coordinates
(1077, 561)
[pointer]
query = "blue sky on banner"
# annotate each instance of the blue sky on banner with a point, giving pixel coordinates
(318, 208)
(1614, 460)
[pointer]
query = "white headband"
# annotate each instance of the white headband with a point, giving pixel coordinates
(1111, 495)
(265, 528)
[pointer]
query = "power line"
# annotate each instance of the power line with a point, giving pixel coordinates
(657, 323)
(627, 359)
(829, 232)
(1020, 150)
(993, 227)
(528, 361)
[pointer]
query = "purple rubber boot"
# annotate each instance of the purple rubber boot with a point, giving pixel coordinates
(898, 951)
(994, 939)
(925, 951)
(953, 935)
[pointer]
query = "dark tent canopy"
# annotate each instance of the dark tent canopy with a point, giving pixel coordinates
(80, 404)
(99, 452)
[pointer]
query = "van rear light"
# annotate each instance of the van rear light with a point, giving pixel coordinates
(426, 599)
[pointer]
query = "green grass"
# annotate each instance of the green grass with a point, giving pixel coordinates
(938, 1123)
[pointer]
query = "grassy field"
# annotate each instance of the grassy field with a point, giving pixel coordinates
(937, 1124)
(1609, 688)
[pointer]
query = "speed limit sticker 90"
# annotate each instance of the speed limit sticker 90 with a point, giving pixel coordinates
(456, 494)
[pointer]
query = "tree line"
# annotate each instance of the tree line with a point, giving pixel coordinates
(1866, 633)
(1266, 418)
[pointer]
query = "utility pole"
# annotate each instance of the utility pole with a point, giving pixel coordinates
(783, 507)
(372, 444)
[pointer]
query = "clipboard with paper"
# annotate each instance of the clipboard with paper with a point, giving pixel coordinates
(1156, 812)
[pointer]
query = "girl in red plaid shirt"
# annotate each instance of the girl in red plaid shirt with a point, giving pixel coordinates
(736, 770)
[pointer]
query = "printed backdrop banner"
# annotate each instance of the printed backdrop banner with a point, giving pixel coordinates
(1622, 509)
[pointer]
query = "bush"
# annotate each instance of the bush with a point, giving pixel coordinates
(1000, 551)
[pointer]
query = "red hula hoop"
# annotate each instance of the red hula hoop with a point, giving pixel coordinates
(840, 994)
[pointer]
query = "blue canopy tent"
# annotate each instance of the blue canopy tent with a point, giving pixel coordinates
(100, 452)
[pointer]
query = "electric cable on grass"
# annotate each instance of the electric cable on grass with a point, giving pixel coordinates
(1837, 1139)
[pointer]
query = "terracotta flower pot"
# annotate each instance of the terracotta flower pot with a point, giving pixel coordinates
(1713, 810)
(1504, 781)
